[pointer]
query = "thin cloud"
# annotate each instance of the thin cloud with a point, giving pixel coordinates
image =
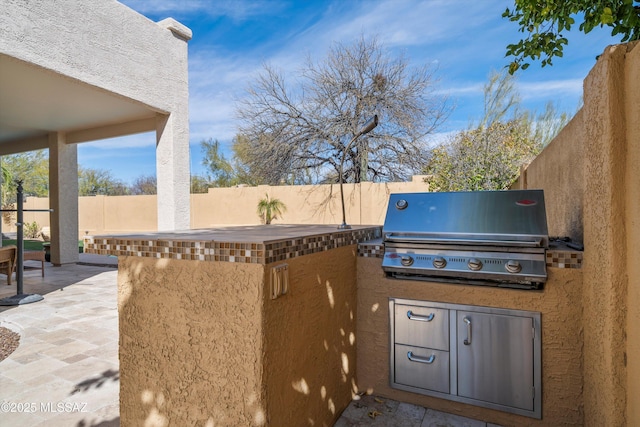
(237, 10)
(468, 89)
(141, 140)
(550, 89)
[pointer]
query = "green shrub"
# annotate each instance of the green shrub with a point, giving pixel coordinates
(31, 230)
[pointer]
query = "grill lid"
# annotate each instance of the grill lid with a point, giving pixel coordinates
(482, 218)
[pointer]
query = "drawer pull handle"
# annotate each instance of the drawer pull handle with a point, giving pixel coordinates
(428, 360)
(412, 316)
(467, 341)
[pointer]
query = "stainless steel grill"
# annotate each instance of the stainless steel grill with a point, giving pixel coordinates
(494, 238)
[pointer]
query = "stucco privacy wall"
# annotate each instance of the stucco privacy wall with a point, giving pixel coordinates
(366, 203)
(632, 218)
(611, 217)
(112, 48)
(605, 285)
(559, 169)
(561, 339)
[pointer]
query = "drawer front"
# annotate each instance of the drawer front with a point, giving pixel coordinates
(422, 367)
(422, 326)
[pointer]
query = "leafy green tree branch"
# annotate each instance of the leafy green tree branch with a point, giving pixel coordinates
(545, 23)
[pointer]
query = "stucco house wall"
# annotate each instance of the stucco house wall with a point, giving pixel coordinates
(103, 48)
(127, 53)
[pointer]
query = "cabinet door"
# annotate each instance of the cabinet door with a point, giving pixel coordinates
(495, 358)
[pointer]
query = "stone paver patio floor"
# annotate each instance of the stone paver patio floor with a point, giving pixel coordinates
(65, 370)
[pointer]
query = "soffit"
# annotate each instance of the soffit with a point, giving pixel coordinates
(35, 101)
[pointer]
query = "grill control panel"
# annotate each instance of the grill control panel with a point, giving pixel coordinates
(503, 268)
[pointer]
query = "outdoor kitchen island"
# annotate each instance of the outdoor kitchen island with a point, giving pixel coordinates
(559, 305)
(250, 325)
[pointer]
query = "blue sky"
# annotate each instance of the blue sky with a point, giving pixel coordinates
(232, 39)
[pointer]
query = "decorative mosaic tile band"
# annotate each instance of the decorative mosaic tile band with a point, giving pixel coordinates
(255, 253)
(291, 248)
(192, 250)
(564, 259)
(555, 258)
(371, 250)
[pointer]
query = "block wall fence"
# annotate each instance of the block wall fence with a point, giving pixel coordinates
(365, 203)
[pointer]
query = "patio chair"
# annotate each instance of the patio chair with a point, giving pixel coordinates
(8, 256)
(35, 256)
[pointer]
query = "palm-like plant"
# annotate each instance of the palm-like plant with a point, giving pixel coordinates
(270, 209)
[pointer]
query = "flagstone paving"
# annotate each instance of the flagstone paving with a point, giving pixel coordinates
(65, 370)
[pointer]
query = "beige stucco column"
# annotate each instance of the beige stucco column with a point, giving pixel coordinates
(172, 133)
(63, 199)
(172, 171)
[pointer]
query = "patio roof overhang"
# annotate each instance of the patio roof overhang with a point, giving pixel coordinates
(35, 101)
(74, 71)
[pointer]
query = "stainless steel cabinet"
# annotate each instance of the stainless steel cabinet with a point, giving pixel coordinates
(495, 358)
(484, 356)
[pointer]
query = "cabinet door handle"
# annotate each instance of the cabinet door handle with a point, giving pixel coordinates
(429, 360)
(412, 316)
(467, 340)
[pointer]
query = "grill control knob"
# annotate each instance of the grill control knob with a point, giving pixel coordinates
(513, 266)
(406, 260)
(474, 264)
(401, 204)
(439, 262)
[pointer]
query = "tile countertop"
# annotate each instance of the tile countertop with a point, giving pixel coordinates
(260, 244)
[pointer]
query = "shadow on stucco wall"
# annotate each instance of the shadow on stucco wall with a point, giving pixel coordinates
(310, 341)
(203, 342)
(190, 342)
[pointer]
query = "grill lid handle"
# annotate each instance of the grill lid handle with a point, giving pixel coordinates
(406, 238)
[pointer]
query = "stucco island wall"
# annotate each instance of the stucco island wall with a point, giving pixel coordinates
(202, 340)
(562, 342)
(310, 341)
(191, 342)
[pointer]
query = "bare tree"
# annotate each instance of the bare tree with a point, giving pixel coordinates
(298, 134)
(145, 185)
